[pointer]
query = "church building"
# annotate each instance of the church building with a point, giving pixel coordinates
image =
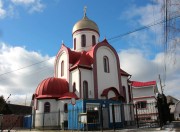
(85, 76)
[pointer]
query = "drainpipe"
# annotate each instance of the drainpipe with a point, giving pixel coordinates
(130, 84)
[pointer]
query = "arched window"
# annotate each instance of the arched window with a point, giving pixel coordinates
(65, 108)
(74, 43)
(106, 64)
(83, 40)
(62, 68)
(124, 93)
(85, 89)
(47, 107)
(93, 40)
(74, 87)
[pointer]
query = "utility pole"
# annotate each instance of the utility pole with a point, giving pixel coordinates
(161, 84)
(25, 99)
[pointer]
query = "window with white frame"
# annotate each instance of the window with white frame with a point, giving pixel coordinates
(141, 104)
(47, 107)
(106, 64)
(85, 89)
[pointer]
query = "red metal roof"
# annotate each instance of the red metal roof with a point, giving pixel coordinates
(142, 84)
(69, 95)
(52, 88)
(84, 60)
(73, 56)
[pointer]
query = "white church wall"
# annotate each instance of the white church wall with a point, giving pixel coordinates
(106, 80)
(51, 118)
(88, 34)
(87, 75)
(128, 112)
(63, 57)
(111, 94)
(125, 84)
(74, 78)
(128, 109)
(63, 116)
(41, 102)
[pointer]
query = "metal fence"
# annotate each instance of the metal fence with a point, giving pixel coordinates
(16, 122)
(93, 117)
(146, 115)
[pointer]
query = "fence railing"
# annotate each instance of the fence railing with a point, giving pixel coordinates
(16, 122)
(115, 116)
(146, 115)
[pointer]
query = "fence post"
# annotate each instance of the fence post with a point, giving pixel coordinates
(137, 120)
(59, 119)
(101, 118)
(43, 120)
(132, 113)
(31, 122)
(113, 116)
(122, 114)
(1, 118)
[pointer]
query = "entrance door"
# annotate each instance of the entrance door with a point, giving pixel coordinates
(105, 118)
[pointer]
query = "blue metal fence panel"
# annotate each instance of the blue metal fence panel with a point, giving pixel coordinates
(27, 121)
(73, 114)
(80, 107)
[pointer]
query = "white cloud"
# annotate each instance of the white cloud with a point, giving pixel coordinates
(38, 7)
(11, 8)
(22, 83)
(145, 44)
(143, 16)
(25, 2)
(2, 10)
(30, 5)
(142, 69)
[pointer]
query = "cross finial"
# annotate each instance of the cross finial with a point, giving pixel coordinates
(85, 8)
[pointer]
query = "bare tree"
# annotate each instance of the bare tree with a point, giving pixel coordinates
(171, 14)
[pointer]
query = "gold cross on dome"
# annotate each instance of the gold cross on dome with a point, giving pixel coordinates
(85, 8)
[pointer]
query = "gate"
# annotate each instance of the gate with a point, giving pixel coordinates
(146, 114)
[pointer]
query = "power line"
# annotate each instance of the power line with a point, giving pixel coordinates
(31, 73)
(116, 37)
(24, 67)
(141, 28)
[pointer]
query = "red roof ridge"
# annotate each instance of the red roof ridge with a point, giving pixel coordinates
(141, 84)
(68, 95)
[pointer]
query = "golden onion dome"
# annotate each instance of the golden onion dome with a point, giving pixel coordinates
(85, 23)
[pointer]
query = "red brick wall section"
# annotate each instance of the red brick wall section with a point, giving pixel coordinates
(12, 121)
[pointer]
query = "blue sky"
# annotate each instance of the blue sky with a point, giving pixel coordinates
(33, 30)
(44, 30)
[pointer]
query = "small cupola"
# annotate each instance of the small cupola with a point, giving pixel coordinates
(85, 34)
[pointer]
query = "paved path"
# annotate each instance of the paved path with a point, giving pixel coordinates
(122, 130)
